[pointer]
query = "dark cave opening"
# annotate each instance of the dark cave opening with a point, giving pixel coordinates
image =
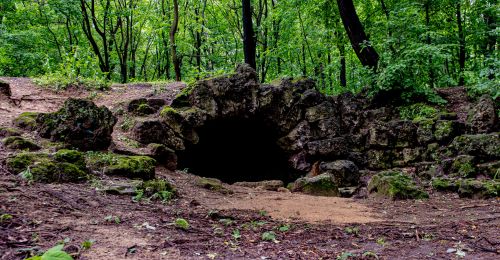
(234, 150)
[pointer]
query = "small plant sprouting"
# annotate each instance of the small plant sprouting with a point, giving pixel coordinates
(87, 244)
(352, 230)
(284, 228)
(5, 217)
(236, 234)
(111, 219)
(181, 224)
(263, 213)
(226, 221)
(381, 241)
(269, 236)
(26, 174)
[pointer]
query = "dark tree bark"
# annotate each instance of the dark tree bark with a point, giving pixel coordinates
(359, 40)
(249, 43)
(173, 31)
(461, 48)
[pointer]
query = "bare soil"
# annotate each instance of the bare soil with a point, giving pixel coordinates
(443, 227)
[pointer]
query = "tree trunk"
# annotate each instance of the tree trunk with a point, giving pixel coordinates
(461, 48)
(249, 44)
(359, 41)
(173, 31)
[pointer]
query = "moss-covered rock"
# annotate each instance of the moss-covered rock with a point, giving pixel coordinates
(20, 143)
(157, 189)
(8, 131)
(136, 167)
(71, 156)
(491, 169)
(41, 167)
(213, 185)
(425, 131)
(479, 189)
(321, 185)
(445, 130)
(395, 185)
(480, 145)
(441, 184)
(26, 120)
(79, 123)
(182, 99)
(463, 166)
(380, 159)
(143, 106)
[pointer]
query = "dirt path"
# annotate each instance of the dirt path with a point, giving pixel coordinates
(226, 226)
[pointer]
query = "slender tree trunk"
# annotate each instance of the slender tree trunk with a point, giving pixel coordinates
(343, 69)
(249, 44)
(428, 38)
(173, 31)
(359, 41)
(461, 48)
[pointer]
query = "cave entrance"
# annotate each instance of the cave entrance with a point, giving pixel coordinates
(237, 149)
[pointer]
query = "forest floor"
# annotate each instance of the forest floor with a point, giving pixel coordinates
(226, 226)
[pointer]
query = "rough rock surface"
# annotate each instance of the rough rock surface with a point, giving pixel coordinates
(334, 137)
(79, 123)
(482, 117)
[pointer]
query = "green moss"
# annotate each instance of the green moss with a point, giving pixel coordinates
(395, 185)
(144, 109)
(157, 189)
(44, 168)
(463, 166)
(71, 156)
(213, 185)
(418, 112)
(321, 187)
(444, 184)
(26, 120)
(167, 110)
(20, 143)
(142, 167)
(444, 130)
(472, 188)
(182, 99)
(7, 131)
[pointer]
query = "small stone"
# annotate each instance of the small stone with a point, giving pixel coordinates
(321, 185)
(395, 185)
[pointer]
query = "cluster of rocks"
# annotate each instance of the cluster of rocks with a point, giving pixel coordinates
(334, 141)
(335, 145)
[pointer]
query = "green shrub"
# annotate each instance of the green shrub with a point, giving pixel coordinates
(58, 82)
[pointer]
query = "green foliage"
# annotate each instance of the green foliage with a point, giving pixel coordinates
(59, 82)
(236, 234)
(395, 185)
(268, 236)
(181, 224)
(87, 244)
(418, 48)
(157, 189)
(112, 219)
(55, 253)
(418, 112)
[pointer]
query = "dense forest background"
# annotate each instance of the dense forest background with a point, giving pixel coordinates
(421, 44)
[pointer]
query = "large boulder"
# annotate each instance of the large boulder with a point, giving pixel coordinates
(79, 123)
(482, 117)
(143, 106)
(321, 185)
(345, 173)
